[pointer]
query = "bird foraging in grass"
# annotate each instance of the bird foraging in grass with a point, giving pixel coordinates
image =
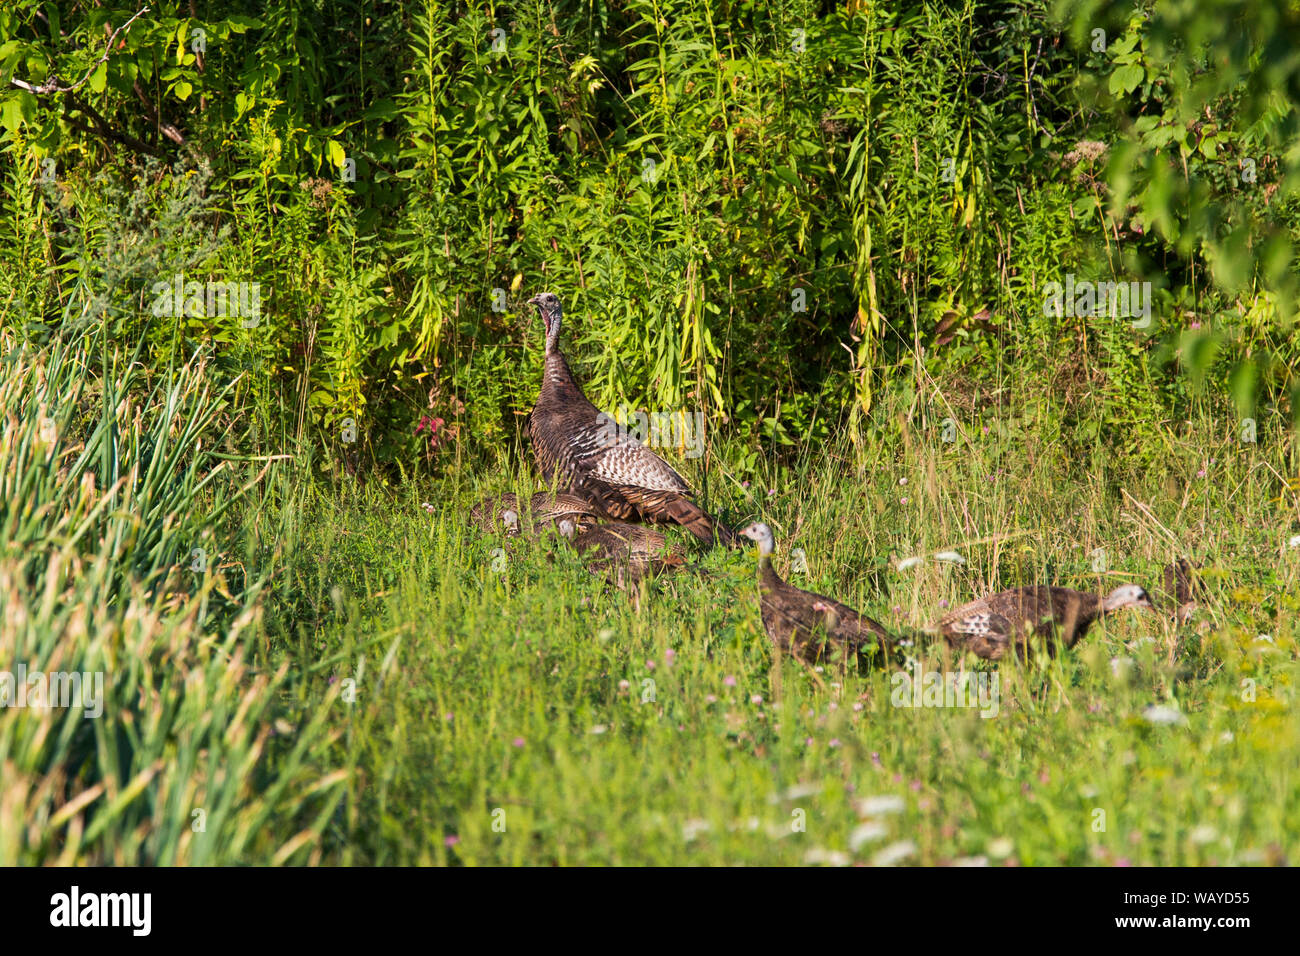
(810, 626)
(992, 625)
(503, 513)
(1182, 590)
(625, 552)
(549, 509)
(489, 515)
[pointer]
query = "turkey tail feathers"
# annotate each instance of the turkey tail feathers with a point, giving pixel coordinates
(697, 521)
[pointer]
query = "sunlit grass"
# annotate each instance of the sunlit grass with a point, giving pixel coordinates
(529, 716)
(350, 681)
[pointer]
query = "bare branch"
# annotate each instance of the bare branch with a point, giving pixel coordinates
(104, 128)
(52, 84)
(167, 129)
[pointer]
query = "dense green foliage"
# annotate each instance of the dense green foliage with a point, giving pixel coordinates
(832, 230)
(766, 212)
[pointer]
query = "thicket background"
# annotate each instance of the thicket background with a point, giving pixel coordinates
(676, 171)
(180, 509)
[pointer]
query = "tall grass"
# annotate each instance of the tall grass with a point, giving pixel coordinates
(114, 507)
(772, 213)
(300, 665)
(351, 680)
(523, 714)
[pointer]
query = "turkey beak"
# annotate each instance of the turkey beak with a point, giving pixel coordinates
(546, 316)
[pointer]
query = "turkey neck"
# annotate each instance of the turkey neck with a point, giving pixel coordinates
(558, 385)
(1077, 616)
(1089, 606)
(768, 579)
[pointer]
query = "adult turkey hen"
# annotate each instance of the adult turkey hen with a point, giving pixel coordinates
(810, 626)
(990, 626)
(583, 452)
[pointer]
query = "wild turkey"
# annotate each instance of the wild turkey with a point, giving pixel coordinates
(810, 626)
(582, 452)
(494, 515)
(549, 509)
(625, 552)
(1181, 589)
(989, 626)
(502, 513)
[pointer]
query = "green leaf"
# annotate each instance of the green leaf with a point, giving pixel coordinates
(99, 78)
(1123, 45)
(182, 89)
(1126, 79)
(788, 174)
(384, 109)
(239, 24)
(17, 109)
(1158, 137)
(1242, 382)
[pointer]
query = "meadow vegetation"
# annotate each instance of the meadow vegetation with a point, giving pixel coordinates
(828, 228)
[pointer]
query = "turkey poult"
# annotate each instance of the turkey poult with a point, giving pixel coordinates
(501, 513)
(809, 626)
(583, 452)
(1182, 589)
(628, 552)
(549, 509)
(494, 515)
(991, 625)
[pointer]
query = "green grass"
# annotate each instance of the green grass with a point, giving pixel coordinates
(117, 559)
(352, 680)
(340, 677)
(519, 697)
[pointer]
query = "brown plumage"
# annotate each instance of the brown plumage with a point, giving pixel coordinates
(1181, 589)
(991, 625)
(549, 509)
(810, 626)
(497, 514)
(583, 452)
(624, 552)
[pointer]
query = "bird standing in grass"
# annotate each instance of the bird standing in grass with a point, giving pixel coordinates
(810, 626)
(991, 625)
(582, 452)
